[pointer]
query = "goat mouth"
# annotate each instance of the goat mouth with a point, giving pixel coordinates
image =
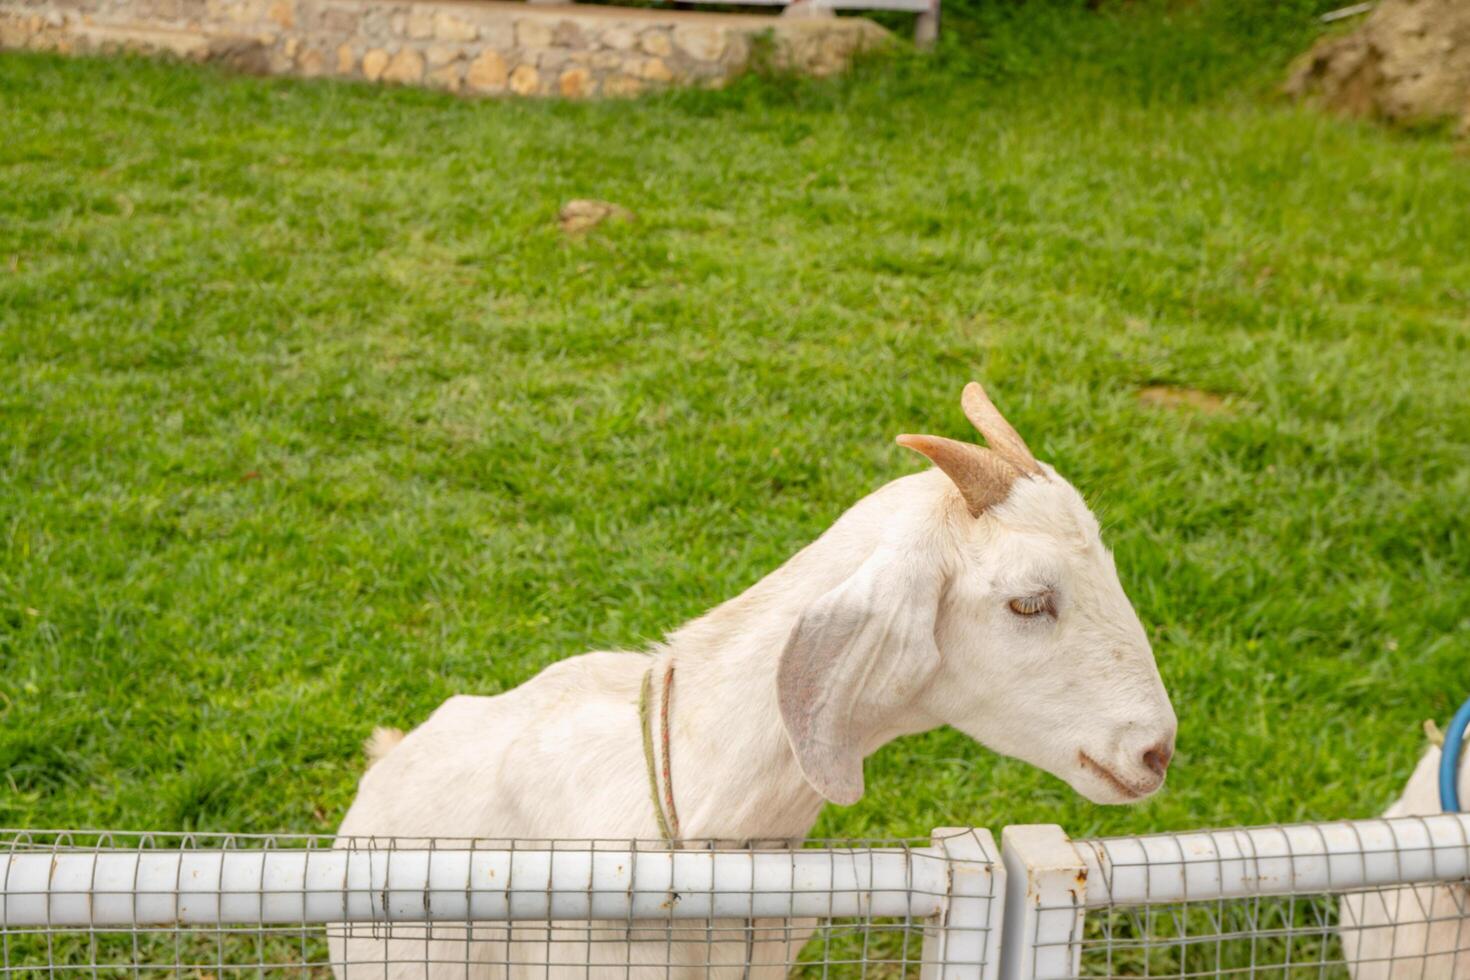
(1128, 790)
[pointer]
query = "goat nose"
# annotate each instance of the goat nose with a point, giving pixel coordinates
(1156, 757)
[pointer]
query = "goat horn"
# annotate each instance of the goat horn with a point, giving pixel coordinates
(1004, 439)
(983, 478)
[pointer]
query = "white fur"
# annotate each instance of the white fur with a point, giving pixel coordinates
(894, 621)
(1410, 933)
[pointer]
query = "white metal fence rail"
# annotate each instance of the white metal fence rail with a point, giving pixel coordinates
(128, 905)
(1367, 900)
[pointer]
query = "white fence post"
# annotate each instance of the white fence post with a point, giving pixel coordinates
(1046, 895)
(963, 942)
(926, 27)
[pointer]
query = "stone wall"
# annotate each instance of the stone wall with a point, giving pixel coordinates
(468, 46)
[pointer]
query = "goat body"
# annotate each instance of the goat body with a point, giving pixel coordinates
(561, 757)
(1419, 932)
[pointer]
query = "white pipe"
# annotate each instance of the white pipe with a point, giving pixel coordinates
(203, 887)
(1296, 859)
(1342, 13)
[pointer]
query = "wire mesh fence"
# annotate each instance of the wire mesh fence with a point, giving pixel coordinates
(159, 905)
(1365, 935)
(1368, 900)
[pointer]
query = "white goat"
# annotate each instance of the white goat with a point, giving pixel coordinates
(1414, 933)
(978, 594)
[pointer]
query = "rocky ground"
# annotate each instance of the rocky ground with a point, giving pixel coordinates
(1408, 63)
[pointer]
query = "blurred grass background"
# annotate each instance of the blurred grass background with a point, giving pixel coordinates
(311, 417)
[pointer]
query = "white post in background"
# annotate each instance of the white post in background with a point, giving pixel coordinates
(963, 943)
(1046, 897)
(926, 27)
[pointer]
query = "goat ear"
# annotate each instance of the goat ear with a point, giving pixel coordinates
(856, 654)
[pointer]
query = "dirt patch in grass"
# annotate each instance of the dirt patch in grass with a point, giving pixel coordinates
(1171, 396)
(577, 217)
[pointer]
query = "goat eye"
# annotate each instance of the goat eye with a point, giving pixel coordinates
(1030, 605)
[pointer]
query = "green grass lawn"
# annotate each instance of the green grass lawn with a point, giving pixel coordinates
(310, 416)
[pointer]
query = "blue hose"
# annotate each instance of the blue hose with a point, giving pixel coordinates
(1449, 760)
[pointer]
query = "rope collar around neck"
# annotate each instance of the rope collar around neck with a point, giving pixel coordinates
(668, 816)
(663, 809)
